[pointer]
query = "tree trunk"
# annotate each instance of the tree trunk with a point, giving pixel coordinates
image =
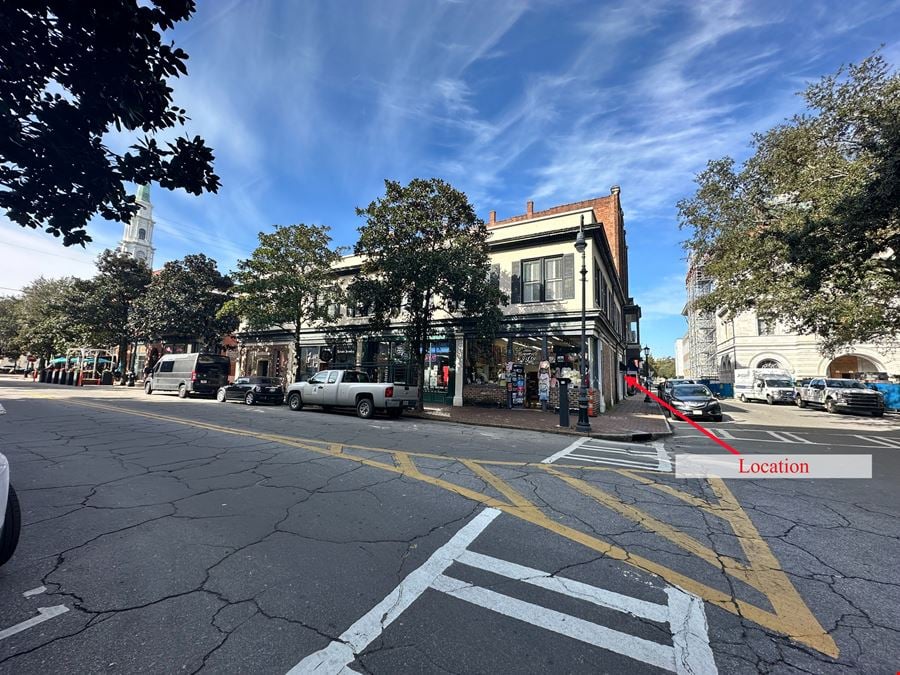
(123, 359)
(420, 377)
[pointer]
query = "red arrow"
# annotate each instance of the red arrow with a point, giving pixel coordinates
(632, 382)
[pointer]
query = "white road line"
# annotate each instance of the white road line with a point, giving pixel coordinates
(886, 442)
(617, 451)
(616, 462)
(721, 433)
(34, 591)
(798, 438)
(44, 614)
(336, 657)
(570, 587)
(565, 451)
(690, 637)
(662, 457)
(634, 647)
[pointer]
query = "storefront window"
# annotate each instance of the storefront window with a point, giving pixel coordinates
(437, 367)
(485, 361)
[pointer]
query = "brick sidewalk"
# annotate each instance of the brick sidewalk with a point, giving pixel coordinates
(631, 419)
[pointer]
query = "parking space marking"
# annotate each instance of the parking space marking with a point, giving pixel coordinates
(721, 433)
(44, 614)
(877, 440)
(614, 453)
(339, 654)
(683, 613)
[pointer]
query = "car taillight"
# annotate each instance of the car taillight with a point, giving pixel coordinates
(389, 392)
(193, 376)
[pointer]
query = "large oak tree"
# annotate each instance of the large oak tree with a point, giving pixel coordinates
(286, 282)
(807, 230)
(73, 71)
(425, 254)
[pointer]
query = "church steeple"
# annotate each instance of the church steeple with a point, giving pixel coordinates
(137, 239)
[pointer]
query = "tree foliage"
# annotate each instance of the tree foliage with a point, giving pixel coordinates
(101, 308)
(286, 282)
(45, 328)
(807, 230)
(425, 254)
(663, 366)
(10, 327)
(71, 72)
(184, 301)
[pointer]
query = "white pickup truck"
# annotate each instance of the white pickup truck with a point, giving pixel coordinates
(772, 385)
(352, 389)
(836, 394)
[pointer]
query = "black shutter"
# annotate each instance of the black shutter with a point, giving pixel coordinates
(495, 275)
(516, 282)
(569, 276)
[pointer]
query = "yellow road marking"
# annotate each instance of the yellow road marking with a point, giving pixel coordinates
(791, 616)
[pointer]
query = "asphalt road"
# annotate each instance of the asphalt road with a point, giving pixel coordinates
(163, 535)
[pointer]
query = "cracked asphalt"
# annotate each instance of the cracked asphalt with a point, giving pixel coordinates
(191, 535)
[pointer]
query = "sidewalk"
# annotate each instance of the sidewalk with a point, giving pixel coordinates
(630, 420)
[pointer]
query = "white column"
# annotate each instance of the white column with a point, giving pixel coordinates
(601, 401)
(460, 374)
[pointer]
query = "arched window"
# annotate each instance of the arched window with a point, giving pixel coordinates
(142, 233)
(768, 363)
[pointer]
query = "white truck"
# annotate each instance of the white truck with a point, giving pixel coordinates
(771, 385)
(352, 389)
(837, 394)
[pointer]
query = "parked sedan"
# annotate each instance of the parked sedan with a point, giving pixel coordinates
(252, 390)
(695, 400)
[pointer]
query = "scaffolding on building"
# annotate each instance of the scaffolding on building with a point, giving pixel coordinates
(701, 327)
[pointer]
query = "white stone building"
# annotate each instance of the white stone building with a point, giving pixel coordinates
(137, 239)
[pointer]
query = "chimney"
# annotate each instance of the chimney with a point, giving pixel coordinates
(614, 190)
(529, 208)
(493, 218)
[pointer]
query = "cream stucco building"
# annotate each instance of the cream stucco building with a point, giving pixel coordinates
(534, 261)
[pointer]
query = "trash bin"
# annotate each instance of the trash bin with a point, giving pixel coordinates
(130, 378)
(70, 377)
(106, 377)
(42, 377)
(55, 378)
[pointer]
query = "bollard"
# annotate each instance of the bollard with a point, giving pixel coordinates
(564, 402)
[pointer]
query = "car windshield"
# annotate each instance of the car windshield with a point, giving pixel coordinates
(845, 384)
(692, 390)
(771, 382)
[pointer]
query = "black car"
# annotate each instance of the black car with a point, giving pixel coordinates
(253, 389)
(695, 401)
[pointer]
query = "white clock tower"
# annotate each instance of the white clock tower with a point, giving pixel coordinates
(137, 240)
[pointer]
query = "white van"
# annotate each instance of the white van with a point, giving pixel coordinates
(772, 385)
(189, 374)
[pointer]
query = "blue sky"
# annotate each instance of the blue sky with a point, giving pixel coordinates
(309, 106)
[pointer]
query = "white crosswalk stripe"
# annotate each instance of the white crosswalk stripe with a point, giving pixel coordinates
(880, 440)
(613, 453)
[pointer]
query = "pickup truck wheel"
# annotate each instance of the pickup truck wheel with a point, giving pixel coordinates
(12, 524)
(878, 413)
(295, 402)
(829, 406)
(770, 400)
(394, 413)
(801, 403)
(148, 388)
(742, 398)
(250, 399)
(364, 408)
(182, 391)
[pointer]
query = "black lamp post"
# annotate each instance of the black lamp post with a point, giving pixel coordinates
(584, 425)
(647, 372)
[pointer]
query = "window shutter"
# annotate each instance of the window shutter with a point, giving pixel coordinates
(516, 282)
(569, 276)
(495, 275)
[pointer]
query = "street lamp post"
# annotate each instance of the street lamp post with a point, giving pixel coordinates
(584, 425)
(647, 372)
